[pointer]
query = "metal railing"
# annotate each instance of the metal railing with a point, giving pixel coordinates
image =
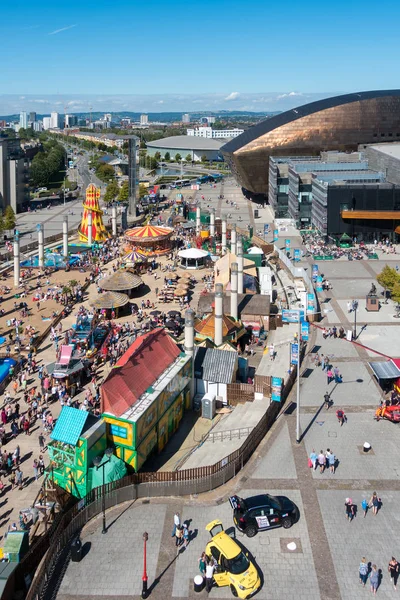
(227, 434)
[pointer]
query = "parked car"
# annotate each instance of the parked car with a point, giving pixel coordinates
(232, 565)
(262, 512)
(41, 189)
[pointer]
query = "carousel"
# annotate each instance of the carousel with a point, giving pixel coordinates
(121, 281)
(193, 258)
(150, 240)
(136, 260)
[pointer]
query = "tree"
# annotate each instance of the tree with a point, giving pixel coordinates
(105, 172)
(387, 278)
(142, 190)
(39, 173)
(178, 157)
(188, 158)
(1, 224)
(157, 155)
(167, 157)
(112, 192)
(124, 192)
(204, 159)
(9, 218)
(396, 296)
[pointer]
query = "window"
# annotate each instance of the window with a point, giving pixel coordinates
(216, 553)
(118, 431)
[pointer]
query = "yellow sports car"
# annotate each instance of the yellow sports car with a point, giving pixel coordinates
(232, 565)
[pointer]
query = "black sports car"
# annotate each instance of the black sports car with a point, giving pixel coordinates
(258, 513)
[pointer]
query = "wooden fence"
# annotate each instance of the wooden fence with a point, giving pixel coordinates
(239, 393)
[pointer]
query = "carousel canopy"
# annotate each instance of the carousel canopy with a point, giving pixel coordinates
(135, 257)
(193, 253)
(148, 233)
(120, 281)
(254, 250)
(110, 300)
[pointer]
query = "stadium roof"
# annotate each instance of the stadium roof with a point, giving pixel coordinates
(186, 142)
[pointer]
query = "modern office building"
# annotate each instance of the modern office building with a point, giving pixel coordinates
(186, 145)
(23, 119)
(70, 121)
(336, 193)
(144, 119)
(13, 175)
(209, 132)
(338, 123)
(46, 123)
(186, 118)
(37, 125)
(32, 117)
(55, 120)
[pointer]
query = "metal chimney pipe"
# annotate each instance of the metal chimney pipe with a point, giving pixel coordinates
(212, 223)
(90, 229)
(189, 331)
(234, 291)
(233, 239)
(17, 263)
(223, 243)
(219, 299)
(239, 255)
(198, 220)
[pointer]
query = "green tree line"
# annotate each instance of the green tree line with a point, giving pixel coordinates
(48, 163)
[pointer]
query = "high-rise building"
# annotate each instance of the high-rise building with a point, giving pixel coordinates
(55, 122)
(186, 118)
(70, 120)
(32, 117)
(23, 119)
(46, 122)
(144, 119)
(12, 175)
(108, 117)
(37, 125)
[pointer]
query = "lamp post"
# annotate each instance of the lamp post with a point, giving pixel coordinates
(355, 306)
(144, 576)
(298, 378)
(99, 461)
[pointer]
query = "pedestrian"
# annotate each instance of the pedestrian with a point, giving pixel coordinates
(321, 461)
(19, 478)
(394, 568)
(349, 307)
(329, 376)
(363, 571)
(41, 465)
(331, 461)
(186, 535)
(336, 374)
(349, 508)
(177, 522)
(202, 564)
(36, 469)
(272, 352)
(364, 506)
(341, 417)
(178, 535)
(209, 576)
(11, 479)
(327, 400)
(374, 579)
(374, 503)
(313, 459)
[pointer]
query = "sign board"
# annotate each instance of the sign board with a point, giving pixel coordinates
(314, 272)
(294, 354)
(297, 254)
(310, 303)
(266, 230)
(287, 245)
(349, 335)
(262, 522)
(276, 235)
(276, 385)
(291, 316)
(194, 186)
(234, 502)
(305, 329)
(319, 283)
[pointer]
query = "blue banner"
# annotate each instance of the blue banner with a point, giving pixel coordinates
(266, 229)
(276, 235)
(310, 303)
(287, 245)
(291, 316)
(294, 354)
(276, 388)
(305, 328)
(319, 283)
(297, 254)
(315, 271)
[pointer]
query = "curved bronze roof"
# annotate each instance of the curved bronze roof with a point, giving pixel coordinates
(336, 123)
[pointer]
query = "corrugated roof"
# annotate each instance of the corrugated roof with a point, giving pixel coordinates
(187, 142)
(385, 370)
(69, 425)
(137, 369)
(251, 304)
(212, 364)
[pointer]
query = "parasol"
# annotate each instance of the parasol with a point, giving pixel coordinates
(155, 313)
(120, 281)
(174, 313)
(110, 300)
(180, 292)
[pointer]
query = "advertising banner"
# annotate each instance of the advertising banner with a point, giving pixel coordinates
(314, 272)
(294, 354)
(310, 303)
(319, 283)
(291, 316)
(305, 328)
(266, 230)
(276, 235)
(297, 254)
(276, 389)
(287, 245)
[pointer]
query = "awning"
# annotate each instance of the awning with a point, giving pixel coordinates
(385, 370)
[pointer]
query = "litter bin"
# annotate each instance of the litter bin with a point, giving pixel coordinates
(76, 549)
(198, 583)
(256, 213)
(366, 447)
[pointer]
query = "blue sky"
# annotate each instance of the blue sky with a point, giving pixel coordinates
(239, 54)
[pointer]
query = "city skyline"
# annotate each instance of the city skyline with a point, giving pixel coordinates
(175, 49)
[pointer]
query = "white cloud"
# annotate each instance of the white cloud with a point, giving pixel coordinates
(41, 101)
(290, 94)
(62, 29)
(233, 96)
(22, 97)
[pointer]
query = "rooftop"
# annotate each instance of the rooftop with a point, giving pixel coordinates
(214, 364)
(391, 149)
(187, 142)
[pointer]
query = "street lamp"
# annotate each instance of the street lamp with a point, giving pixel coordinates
(99, 461)
(355, 306)
(144, 577)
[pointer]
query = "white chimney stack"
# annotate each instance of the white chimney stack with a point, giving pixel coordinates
(234, 291)
(223, 230)
(233, 239)
(212, 223)
(189, 332)
(219, 299)
(198, 220)
(239, 255)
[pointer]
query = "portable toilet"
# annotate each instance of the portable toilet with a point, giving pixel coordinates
(16, 545)
(208, 405)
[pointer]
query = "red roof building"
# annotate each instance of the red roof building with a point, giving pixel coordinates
(137, 369)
